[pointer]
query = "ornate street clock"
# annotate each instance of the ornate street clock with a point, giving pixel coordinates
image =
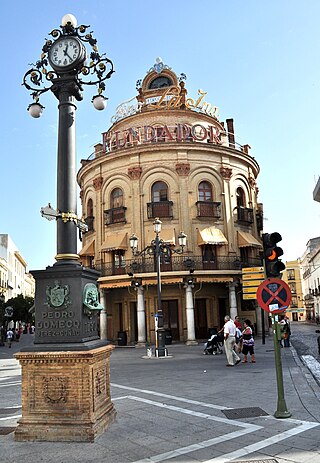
(66, 53)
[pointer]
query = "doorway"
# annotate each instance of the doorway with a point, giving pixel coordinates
(222, 308)
(200, 319)
(133, 322)
(171, 318)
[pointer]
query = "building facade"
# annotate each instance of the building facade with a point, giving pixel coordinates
(292, 276)
(15, 279)
(310, 266)
(168, 156)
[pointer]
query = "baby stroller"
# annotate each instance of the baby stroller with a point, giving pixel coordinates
(214, 344)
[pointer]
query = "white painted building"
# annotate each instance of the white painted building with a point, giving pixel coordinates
(15, 279)
(310, 265)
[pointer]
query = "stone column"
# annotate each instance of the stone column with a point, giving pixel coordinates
(233, 300)
(103, 316)
(141, 317)
(191, 337)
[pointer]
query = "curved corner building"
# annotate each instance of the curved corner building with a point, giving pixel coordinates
(168, 156)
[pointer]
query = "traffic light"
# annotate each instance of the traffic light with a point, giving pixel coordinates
(272, 252)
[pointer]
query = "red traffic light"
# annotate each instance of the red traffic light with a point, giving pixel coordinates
(272, 252)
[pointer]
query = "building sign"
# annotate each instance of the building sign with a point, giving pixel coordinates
(132, 136)
(170, 99)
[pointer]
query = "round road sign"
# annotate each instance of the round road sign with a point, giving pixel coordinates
(274, 295)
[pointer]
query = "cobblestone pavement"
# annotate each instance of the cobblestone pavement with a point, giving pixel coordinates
(304, 338)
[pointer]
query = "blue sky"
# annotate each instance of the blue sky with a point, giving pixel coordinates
(258, 61)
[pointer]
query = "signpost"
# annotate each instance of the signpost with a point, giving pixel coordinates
(251, 279)
(274, 297)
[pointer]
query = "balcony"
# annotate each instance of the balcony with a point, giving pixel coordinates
(244, 215)
(89, 222)
(115, 215)
(146, 264)
(208, 209)
(161, 209)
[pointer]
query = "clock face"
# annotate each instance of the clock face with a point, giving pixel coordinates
(65, 52)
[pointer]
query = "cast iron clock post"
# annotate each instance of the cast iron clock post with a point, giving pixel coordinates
(63, 315)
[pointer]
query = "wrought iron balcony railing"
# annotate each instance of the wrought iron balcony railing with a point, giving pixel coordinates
(161, 209)
(146, 264)
(89, 222)
(115, 215)
(244, 214)
(208, 209)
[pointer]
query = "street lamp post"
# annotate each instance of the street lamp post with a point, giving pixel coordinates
(158, 248)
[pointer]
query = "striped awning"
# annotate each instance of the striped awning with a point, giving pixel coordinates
(245, 239)
(88, 249)
(211, 235)
(116, 241)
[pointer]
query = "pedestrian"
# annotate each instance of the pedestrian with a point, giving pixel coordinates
(287, 332)
(237, 322)
(238, 344)
(247, 342)
(9, 337)
(229, 331)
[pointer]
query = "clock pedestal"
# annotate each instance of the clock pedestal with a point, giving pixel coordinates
(65, 395)
(66, 372)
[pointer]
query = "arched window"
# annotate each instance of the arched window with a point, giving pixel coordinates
(160, 205)
(90, 208)
(205, 191)
(241, 198)
(159, 192)
(206, 207)
(116, 198)
(160, 82)
(117, 211)
(89, 218)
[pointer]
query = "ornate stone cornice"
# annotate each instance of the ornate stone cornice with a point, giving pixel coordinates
(252, 182)
(97, 183)
(135, 172)
(183, 168)
(226, 172)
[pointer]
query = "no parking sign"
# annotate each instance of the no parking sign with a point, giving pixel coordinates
(274, 295)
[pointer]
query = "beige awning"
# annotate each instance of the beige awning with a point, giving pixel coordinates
(88, 249)
(116, 241)
(211, 235)
(166, 234)
(114, 284)
(245, 239)
(214, 279)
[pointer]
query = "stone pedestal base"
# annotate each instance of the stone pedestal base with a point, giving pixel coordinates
(65, 395)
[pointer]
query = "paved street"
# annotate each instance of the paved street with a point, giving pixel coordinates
(187, 408)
